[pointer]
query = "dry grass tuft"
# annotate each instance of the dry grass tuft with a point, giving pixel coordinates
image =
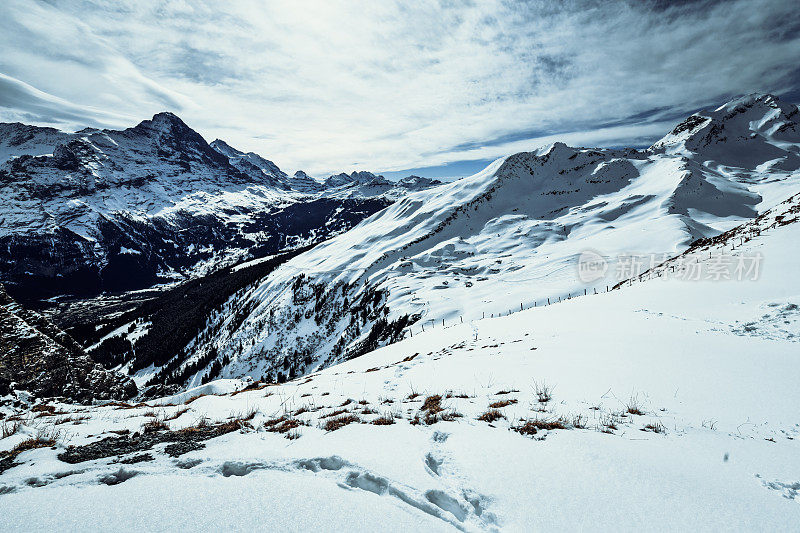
(156, 424)
(118, 405)
(9, 428)
(491, 415)
(533, 426)
(29, 444)
(75, 419)
(432, 404)
(256, 385)
(608, 424)
(633, 407)
(337, 412)
(177, 414)
(579, 421)
(282, 424)
(655, 427)
(502, 403)
(544, 392)
(333, 424)
(249, 415)
(303, 409)
(383, 420)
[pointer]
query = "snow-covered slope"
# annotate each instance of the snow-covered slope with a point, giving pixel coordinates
(664, 405)
(511, 236)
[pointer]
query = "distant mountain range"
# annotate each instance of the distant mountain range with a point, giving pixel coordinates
(106, 210)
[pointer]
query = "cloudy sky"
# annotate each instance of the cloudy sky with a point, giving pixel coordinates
(438, 87)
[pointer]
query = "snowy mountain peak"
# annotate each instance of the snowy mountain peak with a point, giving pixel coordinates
(165, 121)
(414, 182)
(757, 100)
(756, 128)
(354, 178)
(252, 164)
(225, 149)
(304, 183)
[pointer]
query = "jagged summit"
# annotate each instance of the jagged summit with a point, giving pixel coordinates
(252, 164)
(354, 178)
(748, 130)
(302, 182)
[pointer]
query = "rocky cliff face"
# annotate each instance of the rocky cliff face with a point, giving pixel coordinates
(37, 357)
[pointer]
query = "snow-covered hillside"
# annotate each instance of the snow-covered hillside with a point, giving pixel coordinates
(510, 237)
(668, 404)
(106, 210)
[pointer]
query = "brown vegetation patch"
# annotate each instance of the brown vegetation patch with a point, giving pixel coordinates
(282, 424)
(533, 426)
(432, 404)
(502, 403)
(178, 414)
(409, 358)
(491, 415)
(333, 424)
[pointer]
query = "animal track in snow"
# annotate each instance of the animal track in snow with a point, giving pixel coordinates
(463, 509)
(790, 491)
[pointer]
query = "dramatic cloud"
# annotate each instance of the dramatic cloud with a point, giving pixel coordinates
(333, 85)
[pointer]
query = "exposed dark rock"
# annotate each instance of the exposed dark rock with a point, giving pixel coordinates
(37, 357)
(184, 441)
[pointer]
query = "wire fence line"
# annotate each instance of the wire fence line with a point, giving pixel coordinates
(432, 323)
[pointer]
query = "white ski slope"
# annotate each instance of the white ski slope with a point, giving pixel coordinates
(712, 364)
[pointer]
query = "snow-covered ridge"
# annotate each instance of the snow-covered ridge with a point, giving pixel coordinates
(510, 236)
(757, 131)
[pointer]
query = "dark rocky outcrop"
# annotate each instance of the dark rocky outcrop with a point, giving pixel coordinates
(39, 358)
